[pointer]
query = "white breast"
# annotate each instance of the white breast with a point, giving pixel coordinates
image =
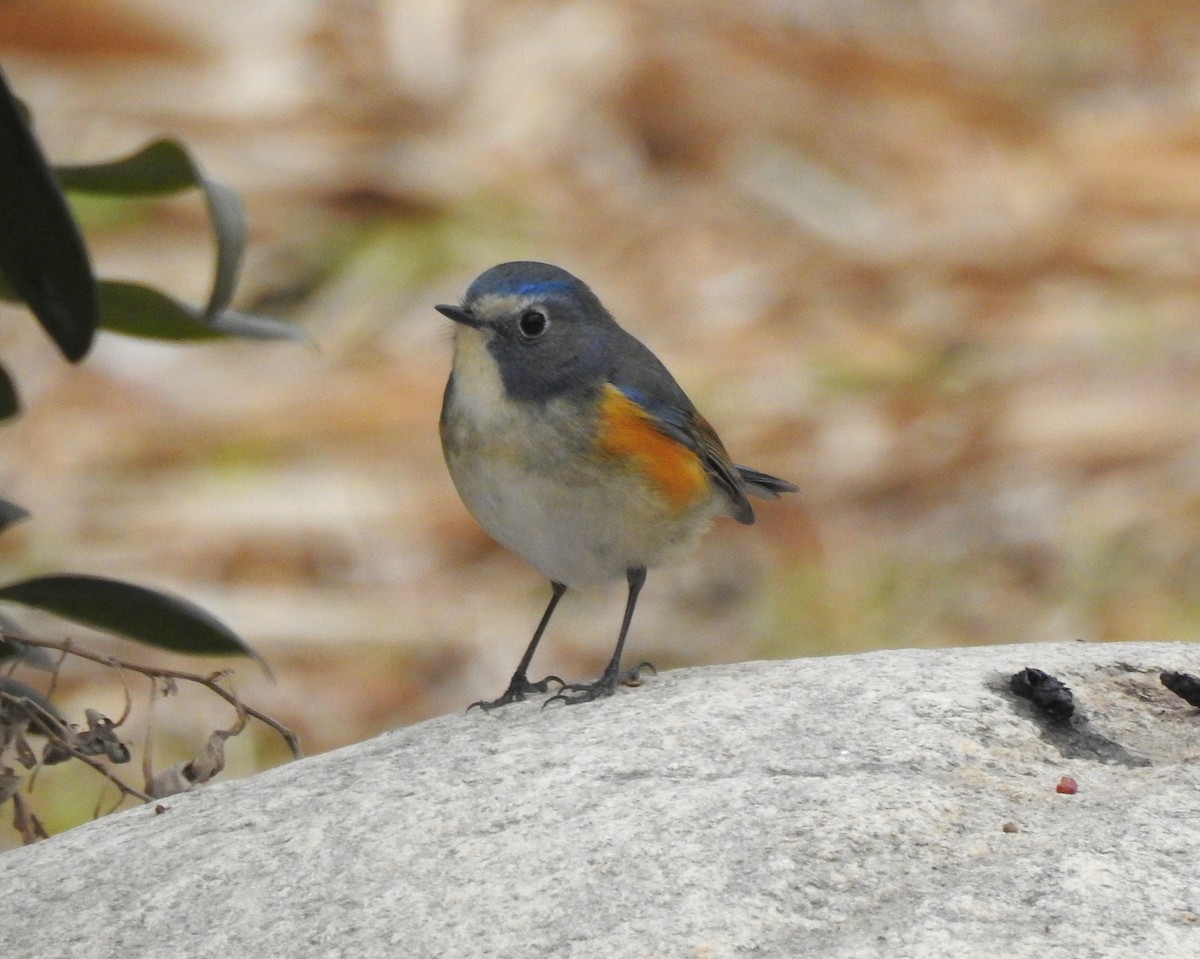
(529, 474)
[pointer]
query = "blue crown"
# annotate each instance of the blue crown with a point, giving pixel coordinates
(544, 288)
(526, 278)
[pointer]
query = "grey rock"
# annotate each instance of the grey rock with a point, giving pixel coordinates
(853, 806)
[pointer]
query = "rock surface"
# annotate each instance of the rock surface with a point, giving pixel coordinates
(894, 804)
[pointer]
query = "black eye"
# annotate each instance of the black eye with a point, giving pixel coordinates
(532, 324)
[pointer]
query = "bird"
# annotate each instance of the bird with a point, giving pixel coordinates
(573, 446)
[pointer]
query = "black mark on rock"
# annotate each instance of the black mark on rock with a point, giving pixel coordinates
(1066, 730)
(1184, 685)
(1048, 693)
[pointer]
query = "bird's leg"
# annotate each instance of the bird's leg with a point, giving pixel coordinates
(612, 676)
(519, 686)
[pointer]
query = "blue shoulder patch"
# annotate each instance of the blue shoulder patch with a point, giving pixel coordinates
(670, 420)
(636, 395)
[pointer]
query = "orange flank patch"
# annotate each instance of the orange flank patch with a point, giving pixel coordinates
(627, 432)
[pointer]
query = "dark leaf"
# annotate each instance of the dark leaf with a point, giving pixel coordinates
(36, 702)
(25, 822)
(10, 782)
(100, 739)
(158, 168)
(13, 648)
(42, 255)
(184, 775)
(162, 167)
(10, 648)
(10, 403)
(157, 619)
(35, 657)
(137, 310)
(55, 752)
(170, 782)
(25, 754)
(166, 166)
(11, 513)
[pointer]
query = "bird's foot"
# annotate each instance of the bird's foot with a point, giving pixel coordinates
(574, 693)
(518, 688)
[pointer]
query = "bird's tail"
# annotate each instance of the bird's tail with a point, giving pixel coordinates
(764, 485)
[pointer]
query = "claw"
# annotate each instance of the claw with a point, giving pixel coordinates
(518, 689)
(578, 693)
(572, 694)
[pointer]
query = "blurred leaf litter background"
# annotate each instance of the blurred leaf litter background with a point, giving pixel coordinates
(937, 262)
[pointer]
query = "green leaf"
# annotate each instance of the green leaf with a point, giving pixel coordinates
(11, 513)
(42, 255)
(229, 222)
(166, 166)
(159, 168)
(137, 310)
(157, 619)
(10, 403)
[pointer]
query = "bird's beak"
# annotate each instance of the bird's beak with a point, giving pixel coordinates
(459, 314)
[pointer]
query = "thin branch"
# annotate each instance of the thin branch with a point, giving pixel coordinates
(128, 698)
(62, 658)
(66, 646)
(35, 717)
(147, 770)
